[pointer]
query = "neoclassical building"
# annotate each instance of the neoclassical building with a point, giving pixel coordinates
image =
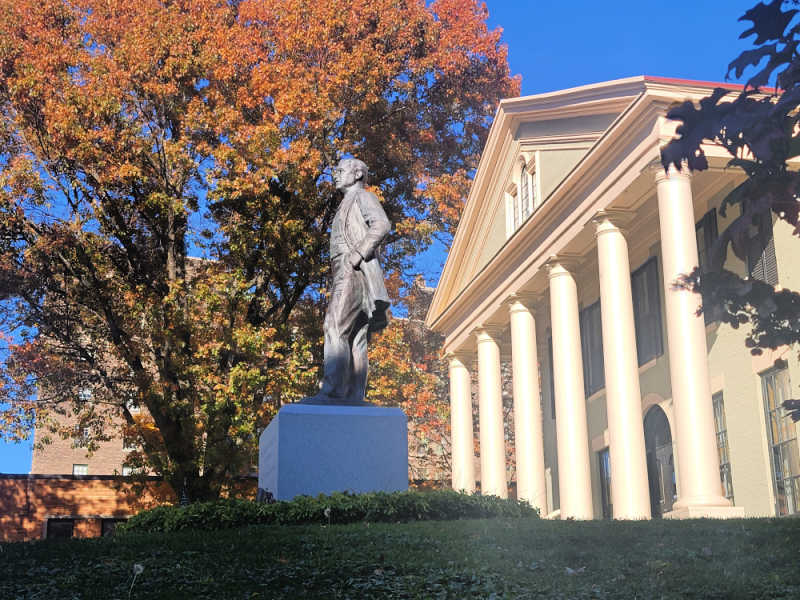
(626, 402)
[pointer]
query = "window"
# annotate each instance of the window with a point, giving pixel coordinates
(706, 232)
(761, 262)
(80, 469)
(81, 435)
(108, 526)
(128, 443)
(722, 446)
(520, 197)
(647, 311)
(552, 377)
(592, 349)
(604, 460)
(59, 529)
(782, 440)
(524, 193)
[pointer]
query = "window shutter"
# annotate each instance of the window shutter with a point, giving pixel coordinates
(509, 215)
(592, 348)
(596, 348)
(524, 195)
(647, 311)
(706, 236)
(552, 377)
(706, 230)
(654, 309)
(761, 261)
(769, 261)
(585, 351)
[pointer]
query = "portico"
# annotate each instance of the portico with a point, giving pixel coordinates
(601, 209)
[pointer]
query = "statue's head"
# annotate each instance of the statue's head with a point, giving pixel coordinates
(348, 172)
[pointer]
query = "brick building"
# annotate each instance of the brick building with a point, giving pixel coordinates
(39, 506)
(68, 457)
(72, 492)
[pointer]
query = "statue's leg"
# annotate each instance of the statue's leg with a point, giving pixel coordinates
(358, 382)
(341, 319)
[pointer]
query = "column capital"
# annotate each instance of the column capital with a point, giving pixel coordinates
(561, 264)
(488, 333)
(671, 173)
(519, 301)
(613, 220)
(465, 357)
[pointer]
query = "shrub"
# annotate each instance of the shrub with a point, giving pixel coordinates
(387, 507)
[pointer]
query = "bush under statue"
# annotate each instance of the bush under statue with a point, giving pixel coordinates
(336, 441)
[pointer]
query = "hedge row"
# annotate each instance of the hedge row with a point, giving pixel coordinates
(337, 508)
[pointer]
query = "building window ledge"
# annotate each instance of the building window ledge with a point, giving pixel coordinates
(648, 365)
(598, 394)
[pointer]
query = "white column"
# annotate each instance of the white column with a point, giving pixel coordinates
(490, 406)
(572, 438)
(528, 437)
(630, 494)
(695, 434)
(461, 434)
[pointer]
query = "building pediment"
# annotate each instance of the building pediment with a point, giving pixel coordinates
(541, 151)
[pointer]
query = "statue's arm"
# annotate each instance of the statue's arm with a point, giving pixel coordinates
(378, 225)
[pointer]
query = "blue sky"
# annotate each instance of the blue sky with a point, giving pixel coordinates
(555, 45)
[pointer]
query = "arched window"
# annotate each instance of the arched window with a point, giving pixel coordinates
(524, 193)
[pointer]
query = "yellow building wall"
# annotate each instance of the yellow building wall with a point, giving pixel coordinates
(732, 369)
(494, 240)
(554, 165)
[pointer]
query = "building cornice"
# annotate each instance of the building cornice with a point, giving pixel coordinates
(642, 102)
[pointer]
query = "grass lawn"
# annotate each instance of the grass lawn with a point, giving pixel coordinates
(492, 558)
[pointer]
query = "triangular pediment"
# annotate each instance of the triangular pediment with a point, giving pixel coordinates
(547, 135)
(562, 138)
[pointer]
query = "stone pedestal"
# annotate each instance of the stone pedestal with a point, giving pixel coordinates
(309, 450)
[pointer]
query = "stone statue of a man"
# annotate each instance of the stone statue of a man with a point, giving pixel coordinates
(358, 298)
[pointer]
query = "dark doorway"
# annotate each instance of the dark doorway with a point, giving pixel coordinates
(660, 464)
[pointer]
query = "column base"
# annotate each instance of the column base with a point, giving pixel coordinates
(463, 488)
(706, 512)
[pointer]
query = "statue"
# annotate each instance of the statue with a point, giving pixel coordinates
(358, 299)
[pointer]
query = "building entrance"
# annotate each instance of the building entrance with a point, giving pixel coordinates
(660, 462)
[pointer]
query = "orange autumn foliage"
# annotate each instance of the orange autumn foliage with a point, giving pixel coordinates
(136, 135)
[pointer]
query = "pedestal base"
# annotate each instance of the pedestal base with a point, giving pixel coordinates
(311, 449)
(706, 512)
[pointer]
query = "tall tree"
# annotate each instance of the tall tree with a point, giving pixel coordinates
(407, 370)
(136, 135)
(759, 127)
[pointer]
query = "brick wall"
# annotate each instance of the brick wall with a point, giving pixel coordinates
(28, 501)
(58, 456)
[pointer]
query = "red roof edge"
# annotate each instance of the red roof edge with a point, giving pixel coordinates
(708, 84)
